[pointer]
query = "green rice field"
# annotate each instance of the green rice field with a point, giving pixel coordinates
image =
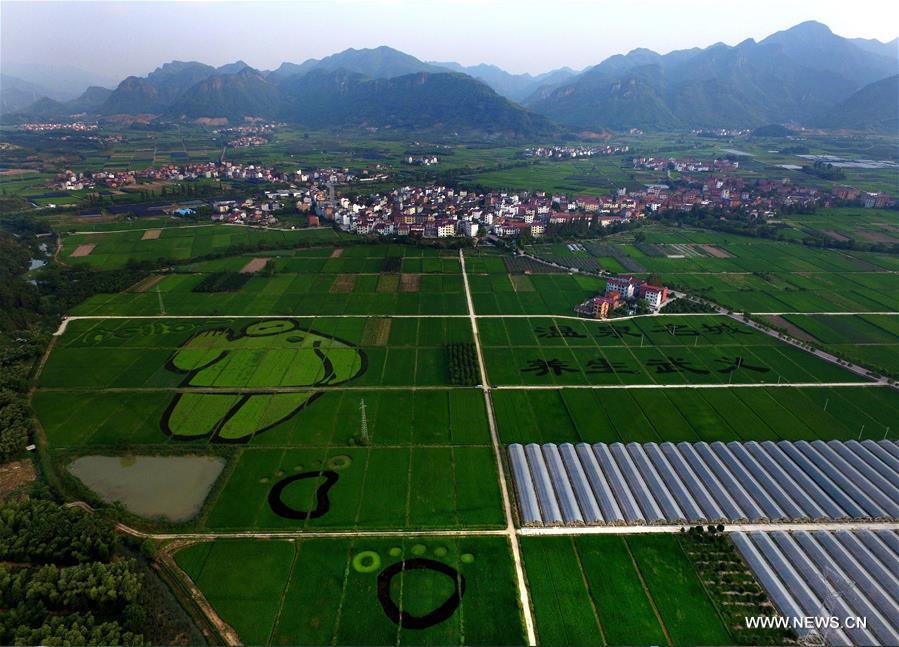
(615, 590)
(326, 591)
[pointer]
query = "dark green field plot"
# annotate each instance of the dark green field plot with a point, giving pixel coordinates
(606, 590)
(373, 591)
(536, 294)
(796, 292)
(307, 282)
(270, 353)
(74, 419)
(746, 274)
(650, 350)
(870, 340)
(675, 415)
(381, 488)
(114, 249)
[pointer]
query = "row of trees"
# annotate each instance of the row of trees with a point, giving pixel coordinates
(462, 361)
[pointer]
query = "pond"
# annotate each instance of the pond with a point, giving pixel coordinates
(171, 487)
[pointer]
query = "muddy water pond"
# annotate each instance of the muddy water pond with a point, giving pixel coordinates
(173, 487)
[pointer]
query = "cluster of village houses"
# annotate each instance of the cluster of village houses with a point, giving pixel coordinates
(76, 126)
(686, 165)
(572, 152)
(444, 212)
(623, 291)
(73, 181)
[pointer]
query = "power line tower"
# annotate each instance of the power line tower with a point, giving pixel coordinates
(363, 427)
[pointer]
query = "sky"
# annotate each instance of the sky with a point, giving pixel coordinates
(116, 39)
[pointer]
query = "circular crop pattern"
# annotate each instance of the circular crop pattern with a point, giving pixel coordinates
(403, 618)
(339, 462)
(466, 558)
(419, 549)
(368, 561)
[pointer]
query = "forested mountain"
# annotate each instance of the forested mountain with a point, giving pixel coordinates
(792, 75)
(516, 87)
(873, 107)
(804, 75)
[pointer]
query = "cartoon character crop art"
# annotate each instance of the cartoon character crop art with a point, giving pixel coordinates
(240, 384)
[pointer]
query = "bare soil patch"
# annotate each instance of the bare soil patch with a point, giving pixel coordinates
(377, 332)
(792, 329)
(388, 282)
(835, 235)
(410, 282)
(343, 283)
(15, 475)
(151, 234)
(717, 252)
(256, 265)
(83, 250)
(146, 284)
(521, 282)
(876, 237)
(337, 253)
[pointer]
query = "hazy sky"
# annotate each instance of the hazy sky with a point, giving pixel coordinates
(121, 38)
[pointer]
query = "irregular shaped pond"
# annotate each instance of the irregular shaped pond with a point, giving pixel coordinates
(173, 487)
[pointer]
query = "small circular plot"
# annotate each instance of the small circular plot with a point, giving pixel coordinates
(297, 468)
(419, 549)
(403, 618)
(339, 462)
(279, 473)
(368, 561)
(466, 558)
(441, 551)
(396, 551)
(264, 479)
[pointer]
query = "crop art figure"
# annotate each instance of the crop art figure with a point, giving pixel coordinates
(240, 384)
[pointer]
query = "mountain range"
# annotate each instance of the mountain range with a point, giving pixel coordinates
(805, 75)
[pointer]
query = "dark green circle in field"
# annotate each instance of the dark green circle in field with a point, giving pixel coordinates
(368, 561)
(419, 549)
(440, 551)
(466, 558)
(396, 551)
(339, 462)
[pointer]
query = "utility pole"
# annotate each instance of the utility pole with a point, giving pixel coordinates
(363, 427)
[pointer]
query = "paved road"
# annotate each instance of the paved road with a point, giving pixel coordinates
(523, 591)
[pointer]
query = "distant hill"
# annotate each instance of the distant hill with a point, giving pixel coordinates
(16, 93)
(378, 63)
(516, 87)
(157, 91)
(802, 75)
(874, 107)
(423, 100)
(234, 96)
(793, 75)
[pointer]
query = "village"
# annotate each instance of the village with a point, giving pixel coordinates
(573, 152)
